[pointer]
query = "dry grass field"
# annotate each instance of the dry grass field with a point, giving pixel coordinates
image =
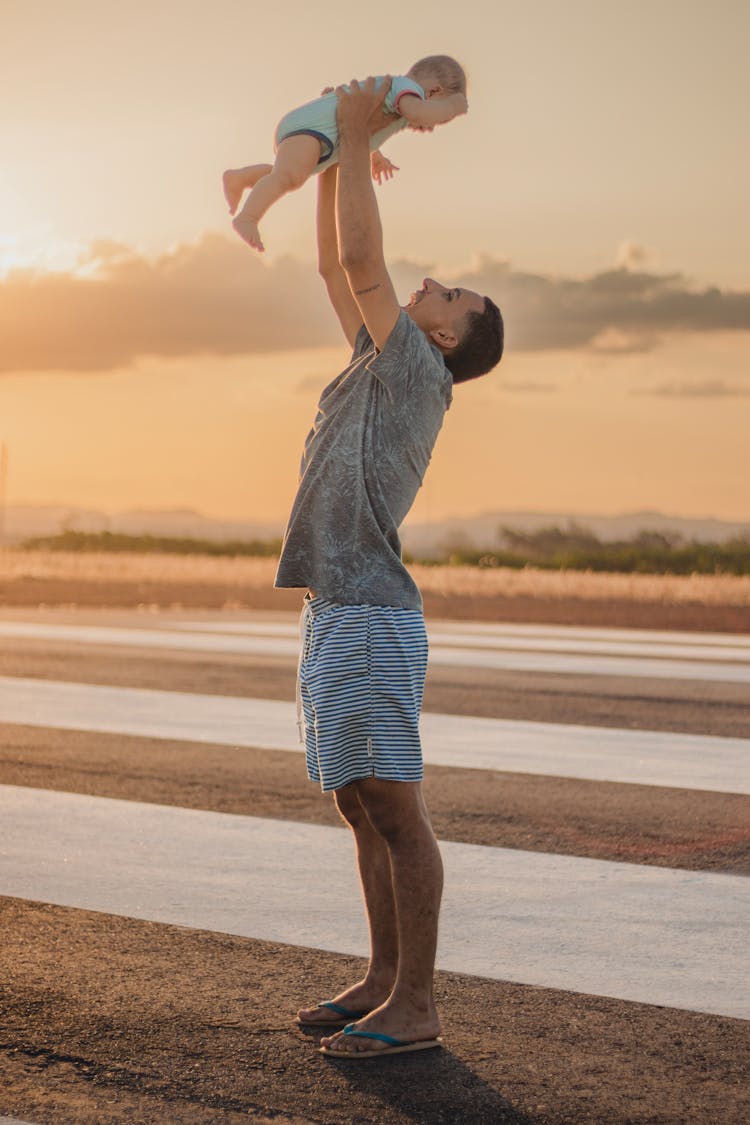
(720, 602)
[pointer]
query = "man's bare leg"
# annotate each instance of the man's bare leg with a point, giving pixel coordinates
(296, 160)
(375, 873)
(398, 812)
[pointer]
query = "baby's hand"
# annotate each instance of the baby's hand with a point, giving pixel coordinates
(381, 167)
(328, 90)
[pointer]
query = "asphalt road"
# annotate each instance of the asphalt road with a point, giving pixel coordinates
(109, 1015)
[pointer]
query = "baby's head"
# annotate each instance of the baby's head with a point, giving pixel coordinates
(439, 75)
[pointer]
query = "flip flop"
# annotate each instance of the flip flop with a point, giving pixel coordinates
(345, 1015)
(395, 1046)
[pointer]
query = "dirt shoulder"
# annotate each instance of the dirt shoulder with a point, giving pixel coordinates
(712, 603)
(492, 607)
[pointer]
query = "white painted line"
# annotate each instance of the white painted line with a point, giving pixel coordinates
(150, 638)
(14, 1121)
(686, 761)
(286, 624)
(482, 634)
(646, 934)
(593, 665)
(595, 633)
(585, 664)
(466, 638)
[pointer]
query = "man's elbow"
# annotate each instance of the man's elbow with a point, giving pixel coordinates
(355, 257)
(328, 265)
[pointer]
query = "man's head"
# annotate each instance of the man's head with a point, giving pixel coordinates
(466, 327)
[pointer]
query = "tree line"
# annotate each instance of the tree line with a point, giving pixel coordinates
(551, 548)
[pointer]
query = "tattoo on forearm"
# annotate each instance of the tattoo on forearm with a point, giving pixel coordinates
(370, 288)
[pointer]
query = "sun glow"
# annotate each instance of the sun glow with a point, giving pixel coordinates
(39, 252)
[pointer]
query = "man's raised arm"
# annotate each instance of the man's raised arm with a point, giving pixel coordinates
(360, 235)
(329, 266)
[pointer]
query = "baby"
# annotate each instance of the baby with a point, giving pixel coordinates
(306, 140)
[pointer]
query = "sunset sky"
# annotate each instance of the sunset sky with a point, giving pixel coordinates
(597, 189)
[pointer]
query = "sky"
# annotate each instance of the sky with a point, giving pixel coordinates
(597, 189)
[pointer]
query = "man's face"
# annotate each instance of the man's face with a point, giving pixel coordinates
(439, 311)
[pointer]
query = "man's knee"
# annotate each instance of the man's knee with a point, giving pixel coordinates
(349, 806)
(395, 808)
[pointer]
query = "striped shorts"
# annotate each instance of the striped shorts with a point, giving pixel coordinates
(361, 678)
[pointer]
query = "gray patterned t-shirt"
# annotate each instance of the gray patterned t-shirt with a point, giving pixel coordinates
(362, 465)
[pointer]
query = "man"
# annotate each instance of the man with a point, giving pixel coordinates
(364, 649)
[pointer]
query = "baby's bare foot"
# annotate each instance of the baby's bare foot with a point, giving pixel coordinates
(248, 231)
(234, 185)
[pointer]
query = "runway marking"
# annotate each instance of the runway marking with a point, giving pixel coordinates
(646, 637)
(587, 664)
(686, 761)
(691, 648)
(646, 934)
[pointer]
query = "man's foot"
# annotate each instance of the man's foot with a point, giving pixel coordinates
(248, 231)
(408, 1026)
(361, 997)
(386, 1045)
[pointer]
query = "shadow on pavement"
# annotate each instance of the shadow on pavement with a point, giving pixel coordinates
(429, 1088)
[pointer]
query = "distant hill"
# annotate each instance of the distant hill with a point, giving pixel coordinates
(24, 521)
(421, 540)
(485, 531)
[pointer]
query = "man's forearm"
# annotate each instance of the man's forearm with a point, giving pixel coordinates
(328, 245)
(360, 235)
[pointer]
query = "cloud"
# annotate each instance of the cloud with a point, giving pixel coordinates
(634, 256)
(215, 297)
(632, 308)
(615, 341)
(711, 388)
(212, 297)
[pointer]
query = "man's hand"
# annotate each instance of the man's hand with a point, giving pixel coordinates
(360, 112)
(381, 167)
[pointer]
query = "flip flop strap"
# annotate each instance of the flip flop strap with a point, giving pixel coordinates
(338, 1008)
(350, 1029)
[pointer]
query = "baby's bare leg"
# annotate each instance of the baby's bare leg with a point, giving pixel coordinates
(236, 180)
(296, 159)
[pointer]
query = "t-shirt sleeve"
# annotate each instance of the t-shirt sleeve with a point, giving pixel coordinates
(362, 341)
(408, 364)
(399, 87)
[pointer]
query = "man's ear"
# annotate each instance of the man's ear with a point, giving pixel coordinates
(445, 338)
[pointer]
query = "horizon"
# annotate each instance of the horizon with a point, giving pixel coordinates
(483, 514)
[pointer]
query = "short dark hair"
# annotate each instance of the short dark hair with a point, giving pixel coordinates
(481, 345)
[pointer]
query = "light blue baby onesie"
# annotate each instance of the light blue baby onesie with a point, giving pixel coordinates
(318, 119)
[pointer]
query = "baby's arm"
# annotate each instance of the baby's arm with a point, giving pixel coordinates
(431, 111)
(381, 167)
